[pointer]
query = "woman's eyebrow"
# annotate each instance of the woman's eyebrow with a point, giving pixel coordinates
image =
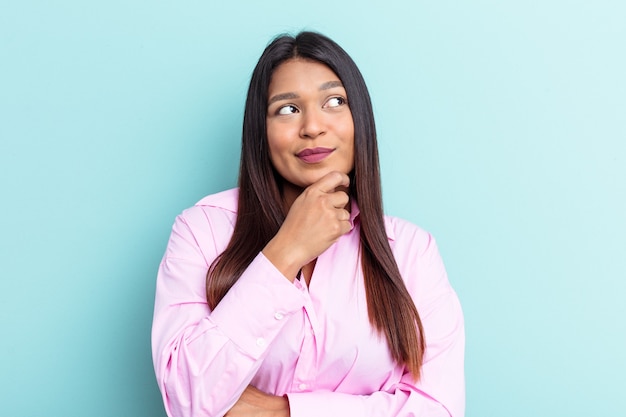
(330, 84)
(283, 96)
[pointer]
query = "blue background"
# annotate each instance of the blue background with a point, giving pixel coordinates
(502, 131)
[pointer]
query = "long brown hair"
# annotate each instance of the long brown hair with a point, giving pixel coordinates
(391, 309)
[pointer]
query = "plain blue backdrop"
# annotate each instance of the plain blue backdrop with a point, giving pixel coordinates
(502, 132)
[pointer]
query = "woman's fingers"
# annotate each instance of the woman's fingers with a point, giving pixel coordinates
(331, 181)
(316, 219)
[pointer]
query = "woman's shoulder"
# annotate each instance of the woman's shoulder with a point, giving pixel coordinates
(407, 235)
(419, 261)
(209, 223)
(214, 209)
(224, 200)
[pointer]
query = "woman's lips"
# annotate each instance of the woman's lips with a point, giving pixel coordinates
(314, 155)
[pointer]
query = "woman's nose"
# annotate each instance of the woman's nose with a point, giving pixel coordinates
(312, 124)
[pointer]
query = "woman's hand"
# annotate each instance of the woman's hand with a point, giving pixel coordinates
(256, 403)
(316, 220)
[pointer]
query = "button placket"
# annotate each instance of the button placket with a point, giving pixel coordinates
(304, 373)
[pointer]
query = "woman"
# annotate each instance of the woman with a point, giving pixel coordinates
(294, 294)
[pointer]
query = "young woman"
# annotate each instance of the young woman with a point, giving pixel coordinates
(293, 295)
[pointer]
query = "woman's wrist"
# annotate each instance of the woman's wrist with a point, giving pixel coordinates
(282, 407)
(283, 260)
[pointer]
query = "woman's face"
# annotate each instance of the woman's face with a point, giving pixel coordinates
(309, 124)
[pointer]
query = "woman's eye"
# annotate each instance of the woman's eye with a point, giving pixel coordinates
(289, 109)
(335, 102)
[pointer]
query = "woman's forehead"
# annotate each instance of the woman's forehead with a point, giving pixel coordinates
(300, 73)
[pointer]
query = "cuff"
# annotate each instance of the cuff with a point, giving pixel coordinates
(256, 308)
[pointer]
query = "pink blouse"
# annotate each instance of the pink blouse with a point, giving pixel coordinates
(315, 344)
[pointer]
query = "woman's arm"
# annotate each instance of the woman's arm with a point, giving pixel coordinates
(441, 388)
(442, 376)
(439, 393)
(205, 360)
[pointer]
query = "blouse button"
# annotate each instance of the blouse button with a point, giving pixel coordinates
(302, 386)
(278, 316)
(260, 342)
